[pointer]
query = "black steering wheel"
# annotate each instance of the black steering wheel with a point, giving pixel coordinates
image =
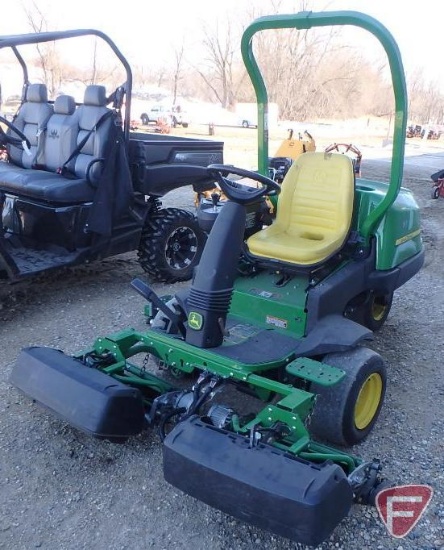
(7, 138)
(237, 192)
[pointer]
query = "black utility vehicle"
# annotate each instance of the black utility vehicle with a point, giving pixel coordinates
(77, 185)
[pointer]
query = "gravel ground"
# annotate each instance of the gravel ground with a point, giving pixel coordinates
(63, 490)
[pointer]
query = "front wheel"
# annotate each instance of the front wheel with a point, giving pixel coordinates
(171, 245)
(345, 413)
(144, 119)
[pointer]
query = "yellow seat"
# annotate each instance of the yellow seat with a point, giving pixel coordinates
(314, 211)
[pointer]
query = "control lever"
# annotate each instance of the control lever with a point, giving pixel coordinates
(150, 296)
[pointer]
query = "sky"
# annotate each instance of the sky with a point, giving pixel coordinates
(145, 30)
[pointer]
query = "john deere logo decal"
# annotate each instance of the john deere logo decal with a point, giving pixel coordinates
(195, 320)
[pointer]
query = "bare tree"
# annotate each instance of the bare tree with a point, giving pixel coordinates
(177, 70)
(55, 72)
(309, 73)
(221, 59)
(425, 101)
(47, 57)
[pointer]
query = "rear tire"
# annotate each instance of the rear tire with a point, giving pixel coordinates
(376, 310)
(344, 414)
(144, 119)
(370, 309)
(171, 245)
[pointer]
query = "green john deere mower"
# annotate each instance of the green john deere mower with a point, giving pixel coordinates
(283, 316)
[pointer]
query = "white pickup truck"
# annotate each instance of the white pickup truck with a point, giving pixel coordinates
(174, 115)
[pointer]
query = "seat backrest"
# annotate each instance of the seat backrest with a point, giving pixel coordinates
(88, 162)
(31, 119)
(317, 196)
(60, 138)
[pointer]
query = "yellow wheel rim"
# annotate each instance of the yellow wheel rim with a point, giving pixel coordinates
(378, 309)
(368, 401)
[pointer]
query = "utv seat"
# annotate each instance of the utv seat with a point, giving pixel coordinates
(31, 119)
(95, 127)
(314, 212)
(85, 166)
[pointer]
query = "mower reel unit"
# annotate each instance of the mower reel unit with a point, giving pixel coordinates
(268, 315)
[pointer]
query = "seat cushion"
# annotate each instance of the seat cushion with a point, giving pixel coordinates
(46, 186)
(301, 248)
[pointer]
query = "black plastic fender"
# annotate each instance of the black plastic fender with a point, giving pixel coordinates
(333, 333)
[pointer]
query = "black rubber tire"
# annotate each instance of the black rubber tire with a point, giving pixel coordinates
(435, 192)
(245, 124)
(171, 245)
(184, 124)
(144, 119)
(370, 309)
(334, 415)
(376, 309)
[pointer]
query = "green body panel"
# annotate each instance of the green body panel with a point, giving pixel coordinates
(260, 300)
(398, 236)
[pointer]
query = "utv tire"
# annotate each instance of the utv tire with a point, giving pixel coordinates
(344, 414)
(144, 119)
(171, 245)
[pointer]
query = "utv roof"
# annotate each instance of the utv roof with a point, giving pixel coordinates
(39, 37)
